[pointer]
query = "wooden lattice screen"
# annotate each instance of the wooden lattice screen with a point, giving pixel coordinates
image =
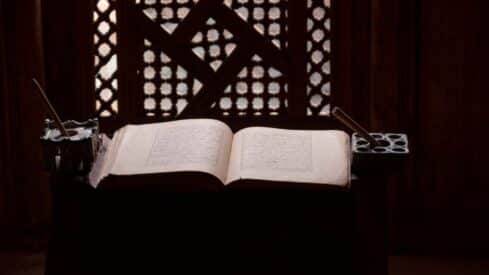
(105, 41)
(166, 58)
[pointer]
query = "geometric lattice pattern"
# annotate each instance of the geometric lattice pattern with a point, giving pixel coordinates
(258, 90)
(105, 42)
(319, 57)
(167, 13)
(213, 44)
(268, 17)
(167, 86)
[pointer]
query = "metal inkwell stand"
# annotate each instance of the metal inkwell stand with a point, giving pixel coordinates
(69, 148)
(373, 152)
(72, 154)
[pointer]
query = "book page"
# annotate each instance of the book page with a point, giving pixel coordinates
(201, 145)
(291, 156)
(105, 157)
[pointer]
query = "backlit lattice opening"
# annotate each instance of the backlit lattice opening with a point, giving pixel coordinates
(105, 41)
(167, 13)
(167, 86)
(258, 90)
(319, 57)
(268, 17)
(213, 44)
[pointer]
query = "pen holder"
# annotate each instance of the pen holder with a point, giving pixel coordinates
(72, 154)
(393, 148)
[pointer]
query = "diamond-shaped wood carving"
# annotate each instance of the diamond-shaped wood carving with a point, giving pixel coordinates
(214, 57)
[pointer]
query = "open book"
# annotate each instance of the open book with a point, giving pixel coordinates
(209, 146)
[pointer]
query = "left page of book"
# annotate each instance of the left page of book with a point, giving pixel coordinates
(200, 145)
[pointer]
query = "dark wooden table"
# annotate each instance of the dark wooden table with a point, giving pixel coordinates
(229, 232)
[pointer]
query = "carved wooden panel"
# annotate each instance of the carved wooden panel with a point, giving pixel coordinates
(167, 86)
(105, 42)
(257, 90)
(167, 13)
(216, 57)
(319, 57)
(213, 44)
(268, 17)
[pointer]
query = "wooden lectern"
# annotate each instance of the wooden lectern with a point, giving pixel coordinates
(258, 232)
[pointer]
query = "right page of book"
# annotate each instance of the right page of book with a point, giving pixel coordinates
(321, 157)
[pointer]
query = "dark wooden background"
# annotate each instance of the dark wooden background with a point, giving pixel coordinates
(24, 195)
(412, 66)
